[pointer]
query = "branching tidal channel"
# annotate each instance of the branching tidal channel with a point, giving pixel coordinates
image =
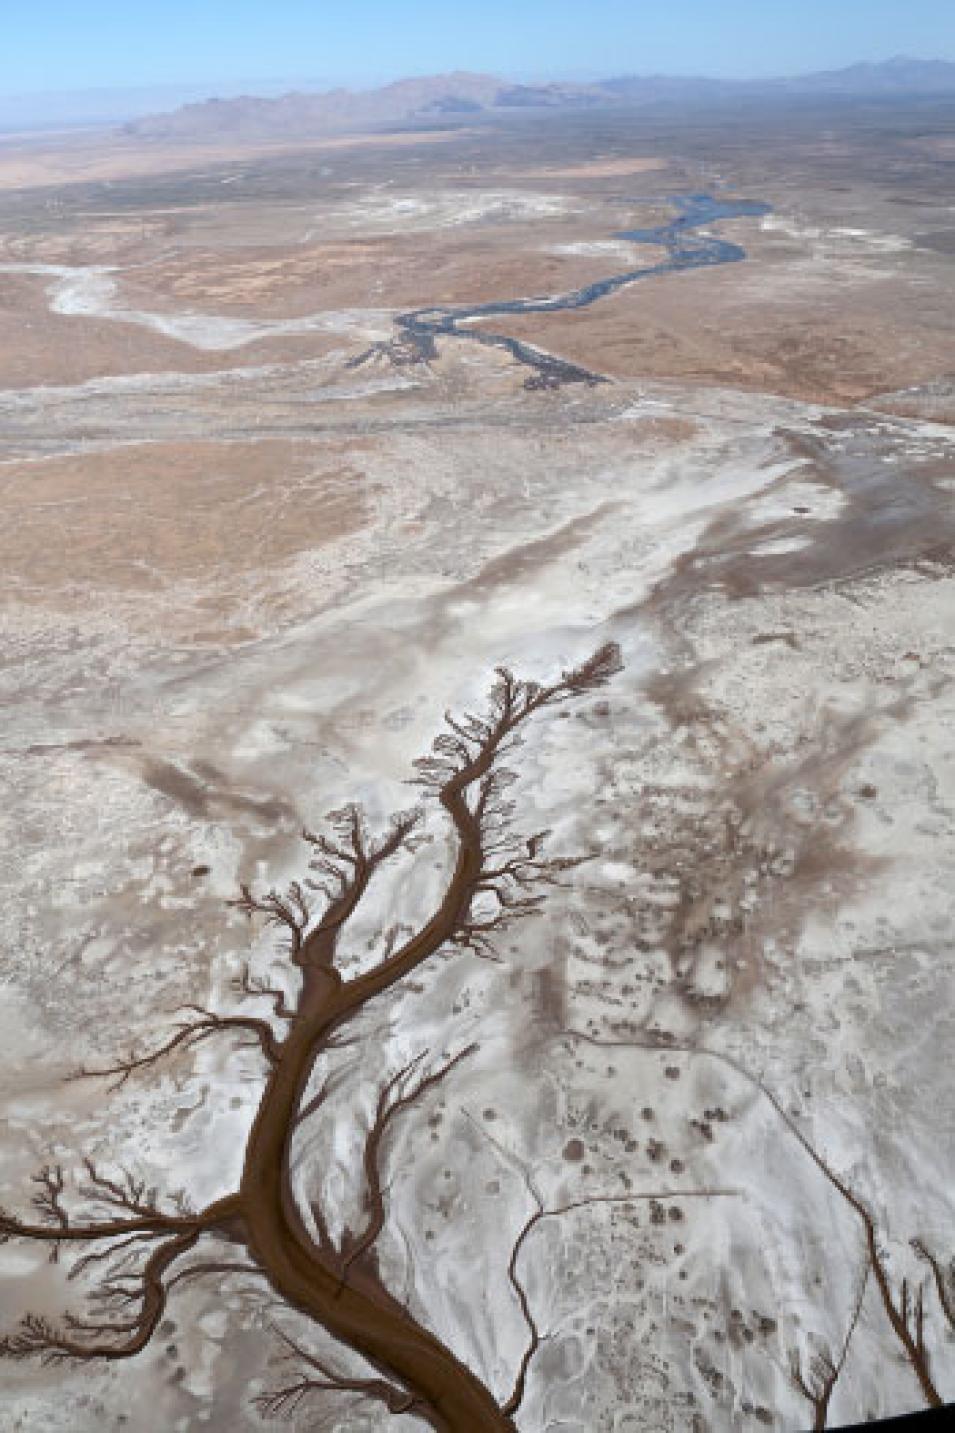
(137, 1246)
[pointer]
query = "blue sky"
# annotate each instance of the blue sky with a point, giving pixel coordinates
(52, 45)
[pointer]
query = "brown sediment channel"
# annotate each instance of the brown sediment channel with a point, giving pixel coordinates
(359, 1312)
(337, 1286)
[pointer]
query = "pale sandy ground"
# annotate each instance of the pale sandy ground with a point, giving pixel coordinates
(595, 169)
(239, 599)
(36, 163)
(133, 756)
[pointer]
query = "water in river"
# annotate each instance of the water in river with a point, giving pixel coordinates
(685, 249)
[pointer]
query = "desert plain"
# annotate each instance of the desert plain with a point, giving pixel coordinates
(687, 1159)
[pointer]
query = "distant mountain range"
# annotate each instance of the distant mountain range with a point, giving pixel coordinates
(454, 95)
(458, 95)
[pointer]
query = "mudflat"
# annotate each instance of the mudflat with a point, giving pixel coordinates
(595, 1078)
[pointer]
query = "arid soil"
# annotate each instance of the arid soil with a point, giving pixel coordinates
(37, 162)
(667, 1148)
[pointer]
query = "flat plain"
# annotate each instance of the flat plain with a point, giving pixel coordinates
(696, 1169)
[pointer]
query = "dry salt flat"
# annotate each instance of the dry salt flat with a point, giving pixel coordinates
(719, 1039)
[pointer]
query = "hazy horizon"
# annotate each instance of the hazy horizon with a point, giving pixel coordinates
(59, 49)
(92, 106)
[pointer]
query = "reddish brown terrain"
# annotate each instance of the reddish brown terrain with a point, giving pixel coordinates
(581, 1068)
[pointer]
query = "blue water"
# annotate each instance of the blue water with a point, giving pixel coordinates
(685, 249)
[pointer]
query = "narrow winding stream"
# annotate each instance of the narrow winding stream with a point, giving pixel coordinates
(685, 249)
(94, 292)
